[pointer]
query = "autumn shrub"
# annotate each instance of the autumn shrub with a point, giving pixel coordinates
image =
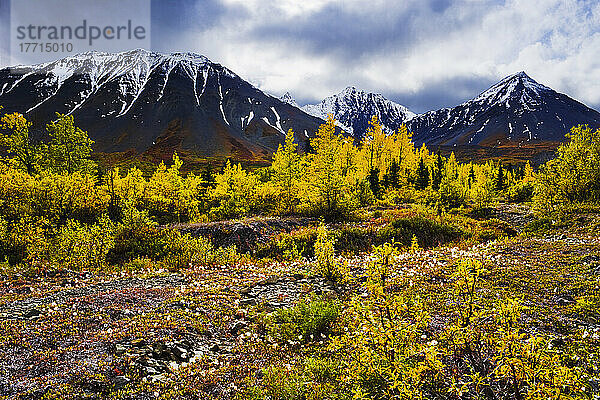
(235, 193)
(481, 351)
(382, 348)
(83, 247)
(573, 176)
(589, 307)
(451, 194)
(56, 197)
(314, 378)
(25, 241)
(326, 264)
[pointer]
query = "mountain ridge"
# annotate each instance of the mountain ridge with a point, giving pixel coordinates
(148, 101)
(353, 109)
(515, 110)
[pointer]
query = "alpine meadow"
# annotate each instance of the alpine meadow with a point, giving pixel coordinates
(170, 230)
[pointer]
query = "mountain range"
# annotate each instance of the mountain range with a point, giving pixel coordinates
(155, 103)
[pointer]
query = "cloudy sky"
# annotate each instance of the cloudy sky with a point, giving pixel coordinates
(425, 54)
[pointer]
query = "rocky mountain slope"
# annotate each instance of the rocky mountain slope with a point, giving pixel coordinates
(155, 103)
(517, 110)
(353, 109)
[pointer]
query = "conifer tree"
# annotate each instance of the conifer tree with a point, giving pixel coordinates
(472, 176)
(286, 173)
(374, 182)
(326, 184)
(422, 180)
(394, 175)
(208, 179)
(437, 172)
(500, 178)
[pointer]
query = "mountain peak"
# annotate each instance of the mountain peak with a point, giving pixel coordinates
(518, 85)
(516, 109)
(521, 74)
(349, 90)
(353, 109)
(288, 98)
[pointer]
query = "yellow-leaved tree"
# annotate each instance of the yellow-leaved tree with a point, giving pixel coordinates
(235, 192)
(17, 140)
(325, 187)
(287, 171)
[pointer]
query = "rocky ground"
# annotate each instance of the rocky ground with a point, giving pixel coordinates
(196, 333)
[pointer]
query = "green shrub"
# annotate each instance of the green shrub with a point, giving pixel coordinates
(539, 225)
(298, 243)
(429, 232)
(520, 192)
(138, 236)
(493, 229)
(309, 320)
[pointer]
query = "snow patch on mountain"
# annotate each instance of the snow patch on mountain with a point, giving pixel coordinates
(353, 109)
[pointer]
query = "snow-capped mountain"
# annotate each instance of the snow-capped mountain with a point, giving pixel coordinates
(353, 109)
(156, 103)
(287, 98)
(516, 109)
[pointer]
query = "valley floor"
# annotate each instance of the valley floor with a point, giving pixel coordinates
(200, 333)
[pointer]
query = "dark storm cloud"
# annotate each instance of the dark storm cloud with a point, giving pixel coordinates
(354, 33)
(447, 93)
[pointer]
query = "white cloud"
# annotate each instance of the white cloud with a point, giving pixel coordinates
(315, 48)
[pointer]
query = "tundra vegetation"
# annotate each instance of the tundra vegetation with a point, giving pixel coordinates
(387, 271)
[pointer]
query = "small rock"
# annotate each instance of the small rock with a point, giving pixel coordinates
(298, 276)
(120, 382)
(248, 302)
(149, 371)
(565, 300)
(184, 343)
(237, 327)
(180, 353)
(177, 304)
(32, 314)
(158, 378)
(159, 350)
(214, 348)
(95, 386)
(138, 342)
(246, 290)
